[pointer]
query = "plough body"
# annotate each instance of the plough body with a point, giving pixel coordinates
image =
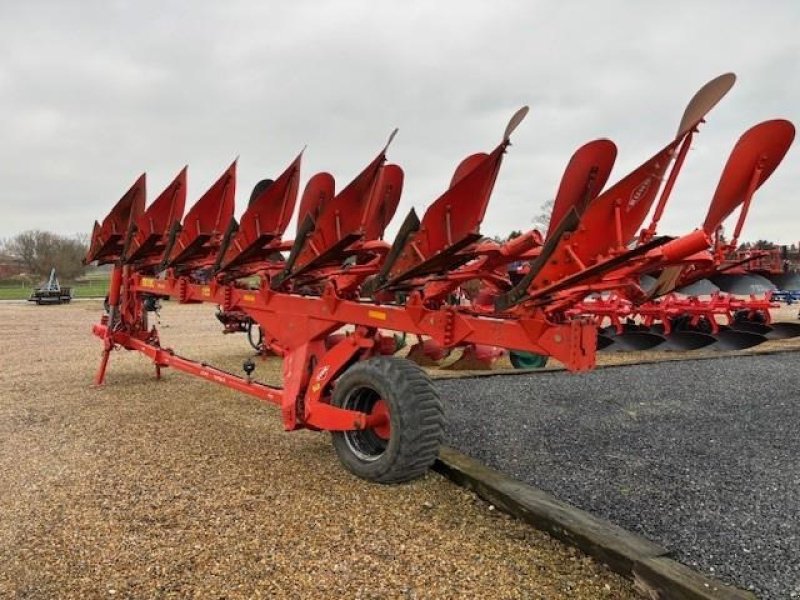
(333, 301)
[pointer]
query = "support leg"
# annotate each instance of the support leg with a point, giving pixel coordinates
(113, 310)
(100, 376)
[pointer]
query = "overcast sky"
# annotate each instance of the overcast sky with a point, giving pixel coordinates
(94, 93)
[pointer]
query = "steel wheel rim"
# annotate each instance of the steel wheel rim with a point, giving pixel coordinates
(366, 444)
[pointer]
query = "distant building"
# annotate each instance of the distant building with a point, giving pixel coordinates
(10, 266)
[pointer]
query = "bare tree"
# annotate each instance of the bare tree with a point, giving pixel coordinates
(500, 239)
(40, 251)
(764, 245)
(542, 220)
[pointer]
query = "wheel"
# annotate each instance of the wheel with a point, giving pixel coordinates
(406, 446)
(526, 360)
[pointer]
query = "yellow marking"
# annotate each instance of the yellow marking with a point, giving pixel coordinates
(377, 314)
(147, 282)
(206, 291)
(249, 298)
(315, 387)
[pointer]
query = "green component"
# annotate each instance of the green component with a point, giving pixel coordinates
(399, 341)
(527, 360)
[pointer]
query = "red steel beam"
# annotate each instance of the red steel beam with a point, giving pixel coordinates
(293, 319)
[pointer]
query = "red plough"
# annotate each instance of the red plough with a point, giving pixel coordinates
(680, 319)
(204, 228)
(154, 231)
(329, 301)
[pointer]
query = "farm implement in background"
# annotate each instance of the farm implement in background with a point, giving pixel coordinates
(670, 305)
(759, 271)
(334, 301)
(51, 292)
(687, 306)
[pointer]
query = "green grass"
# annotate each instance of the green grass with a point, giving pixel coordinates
(94, 288)
(14, 293)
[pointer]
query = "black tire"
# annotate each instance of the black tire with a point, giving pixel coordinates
(416, 420)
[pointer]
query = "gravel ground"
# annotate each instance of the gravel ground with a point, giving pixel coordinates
(179, 488)
(700, 456)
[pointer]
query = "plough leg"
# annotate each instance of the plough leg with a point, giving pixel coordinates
(113, 309)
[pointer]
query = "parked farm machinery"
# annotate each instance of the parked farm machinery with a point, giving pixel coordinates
(687, 306)
(51, 292)
(332, 301)
(676, 307)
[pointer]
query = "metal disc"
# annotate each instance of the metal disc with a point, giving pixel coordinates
(786, 281)
(752, 327)
(783, 330)
(743, 285)
(686, 341)
(736, 340)
(701, 287)
(634, 341)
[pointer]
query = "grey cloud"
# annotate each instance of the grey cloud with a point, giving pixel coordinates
(93, 93)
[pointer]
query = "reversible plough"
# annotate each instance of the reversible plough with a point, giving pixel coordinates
(698, 303)
(333, 301)
(676, 307)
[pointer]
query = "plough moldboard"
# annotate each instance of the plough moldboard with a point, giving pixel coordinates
(336, 300)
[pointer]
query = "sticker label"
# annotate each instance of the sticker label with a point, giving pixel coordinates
(639, 193)
(377, 314)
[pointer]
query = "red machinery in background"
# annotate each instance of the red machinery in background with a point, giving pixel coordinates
(661, 310)
(685, 307)
(328, 300)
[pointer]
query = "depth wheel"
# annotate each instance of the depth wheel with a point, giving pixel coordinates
(407, 445)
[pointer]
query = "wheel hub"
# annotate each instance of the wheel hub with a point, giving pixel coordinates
(380, 417)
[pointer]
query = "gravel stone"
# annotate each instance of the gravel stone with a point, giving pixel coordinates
(180, 488)
(700, 456)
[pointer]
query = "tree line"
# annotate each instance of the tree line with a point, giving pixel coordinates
(36, 252)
